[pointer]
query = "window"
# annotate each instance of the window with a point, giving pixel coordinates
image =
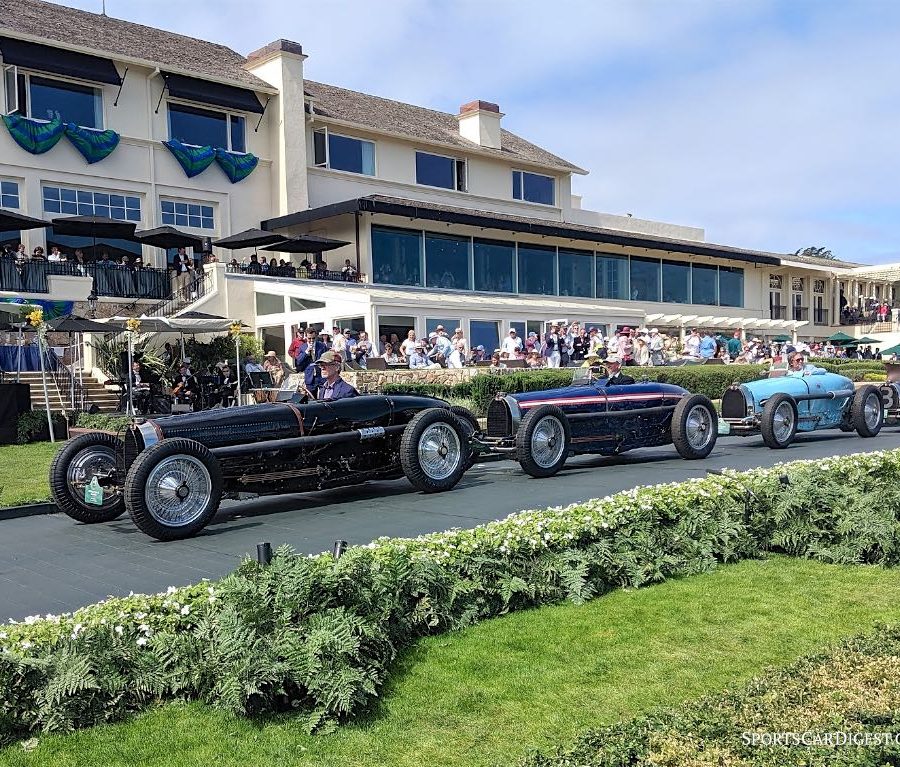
(79, 104)
(396, 256)
(645, 273)
(115, 248)
(484, 333)
(304, 304)
(537, 270)
(85, 202)
(206, 127)
(818, 286)
(704, 280)
(354, 155)
(273, 339)
(776, 281)
(447, 262)
(576, 273)
(612, 276)
(9, 194)
(533, 187)
(797, 284)
(195, 215)
(731, 286)
(676, 282)
(269, 303)
(437, 170)
(494, 264)
(450, 324)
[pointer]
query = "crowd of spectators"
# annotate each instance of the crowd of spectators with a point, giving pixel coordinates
(273, 267)
(871, 311)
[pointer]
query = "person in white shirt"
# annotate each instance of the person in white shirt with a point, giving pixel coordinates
(656, 345)
(692, 343)
(442, 348)
(512, 345)
(418, 359)
(339, 345)
(409, 345)
(457, 356)
(55, 255)
(457, 337)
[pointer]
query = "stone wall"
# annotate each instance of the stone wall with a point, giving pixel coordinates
(372, 381)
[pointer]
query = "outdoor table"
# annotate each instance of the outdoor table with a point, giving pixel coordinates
(31, 360)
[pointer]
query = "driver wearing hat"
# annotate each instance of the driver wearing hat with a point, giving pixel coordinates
(616, 376)
(333, 387)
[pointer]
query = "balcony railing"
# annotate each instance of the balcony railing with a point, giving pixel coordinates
(31, 277)
(820, 316)
(777, 312)
(296, 272)
(800, 313)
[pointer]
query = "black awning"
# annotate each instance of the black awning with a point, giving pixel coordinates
(207, 92)
(58, 61)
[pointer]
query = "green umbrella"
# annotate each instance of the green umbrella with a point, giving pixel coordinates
(864, 340)
(840, 338)
(782, 338)
(892, 350)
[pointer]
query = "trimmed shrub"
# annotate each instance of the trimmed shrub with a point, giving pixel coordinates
(798, 715)
(100, 421)
(319, 636)
(32, 427)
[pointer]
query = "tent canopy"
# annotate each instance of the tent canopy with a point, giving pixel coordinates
(840, 338)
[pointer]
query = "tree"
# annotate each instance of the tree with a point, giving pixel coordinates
(815, 252)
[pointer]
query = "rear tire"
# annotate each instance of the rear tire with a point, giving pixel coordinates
(434, 452)
(173, 489)
(470, 426)
(694, 427)
(543, 441)
(74, 466)
(778, 423)
(867, 411)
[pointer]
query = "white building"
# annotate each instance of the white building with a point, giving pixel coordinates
(448, 218)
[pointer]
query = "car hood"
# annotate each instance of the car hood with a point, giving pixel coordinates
(596, 391)
(757, 391)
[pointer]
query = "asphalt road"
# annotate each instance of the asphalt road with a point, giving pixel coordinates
(52, 564)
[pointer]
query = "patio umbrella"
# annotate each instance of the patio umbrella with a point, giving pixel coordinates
(10, 220)
(251, 238)
(306, 243)
(94, 227)
(864, 340)
(73, 324)
(782, 338)
(169, 237)
(840, 338)
(892, 350)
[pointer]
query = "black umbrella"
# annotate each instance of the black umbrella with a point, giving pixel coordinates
(9, 220)
(251, 238)
(94, 227)
(73, 324)
(169, 237)
(306, 243)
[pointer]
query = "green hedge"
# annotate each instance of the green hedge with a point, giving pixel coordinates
(101, 421)
(798, 715)
(319, 637)
(32, 426)
(700, 379)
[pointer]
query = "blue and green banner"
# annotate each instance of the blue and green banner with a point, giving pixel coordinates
(94, 145)
(192, 159)
(34, 136)
(237, 166)
(51, 309)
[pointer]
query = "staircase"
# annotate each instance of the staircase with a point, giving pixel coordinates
(60, 398)
(180, 300)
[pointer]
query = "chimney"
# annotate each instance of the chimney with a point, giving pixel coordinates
(479, 122)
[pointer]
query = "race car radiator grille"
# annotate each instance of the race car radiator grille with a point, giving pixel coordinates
(134, 444)
(499, 419)
(733, 404)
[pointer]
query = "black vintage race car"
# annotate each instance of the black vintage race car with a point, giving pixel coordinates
(542, 429)
(171, 473)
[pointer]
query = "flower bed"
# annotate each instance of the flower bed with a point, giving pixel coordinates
(319, 636)
(836, 707)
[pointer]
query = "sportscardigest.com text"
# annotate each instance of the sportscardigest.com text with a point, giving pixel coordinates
(814, 738)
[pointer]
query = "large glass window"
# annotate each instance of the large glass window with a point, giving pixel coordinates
(447, 262)
(437, 170)
(93, 250)
(537, 270)
(705, 280)
(533, 187)
(188, 214)
(396, 256)
(79, 104)
(612, 276)
(731, 286)
(206, 127)
(484, 333)
(269, 303)
(448, 323)
(337, 152)
(87, 202)
(576, 273)
(9, 194)
(645, 273)
(676, 282)
(494, 265)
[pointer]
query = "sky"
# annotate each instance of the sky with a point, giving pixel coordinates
(771, 124)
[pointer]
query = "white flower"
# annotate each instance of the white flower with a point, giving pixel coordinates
(25, 644)
(171, 590)
(142, 641)
(144, 628)
(186, 610)
(119, 630)
(140, 616)
(2, 635)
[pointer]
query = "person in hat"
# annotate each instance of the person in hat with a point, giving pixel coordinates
(185, 387)
(591, 360)
(333, 387)
(615, 375)
(272, 365)
(418, 359)
(657, 346)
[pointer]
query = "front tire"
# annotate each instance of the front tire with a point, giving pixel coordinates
(74, 466)
(543, 441)
(470, 426)
(778, 423)
(694, 427)
(434, 452)
(867, 411)
(173, 489)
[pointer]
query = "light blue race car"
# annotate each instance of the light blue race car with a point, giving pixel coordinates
(784, 403)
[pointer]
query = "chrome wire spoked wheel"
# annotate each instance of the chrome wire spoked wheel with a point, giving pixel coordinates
(439, 451)
(178, 490)
(872, 411)
(91, 462)
(783, 422)
(547, 442)
(699, 427)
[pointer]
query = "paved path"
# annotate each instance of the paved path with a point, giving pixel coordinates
(51, 564)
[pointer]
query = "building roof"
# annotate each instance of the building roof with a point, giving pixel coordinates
(95, 32)
(828, 263)
(395, 206)
(421, 124)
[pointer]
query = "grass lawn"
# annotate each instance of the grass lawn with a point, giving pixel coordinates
(533, 679)
(23, 472)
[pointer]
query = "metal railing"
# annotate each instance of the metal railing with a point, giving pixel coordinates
(177, 300)
(296, 272)
(30, 276)
(820, 316)
(800, 313)
(777, 312)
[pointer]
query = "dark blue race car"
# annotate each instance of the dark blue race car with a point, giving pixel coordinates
(542, 429)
